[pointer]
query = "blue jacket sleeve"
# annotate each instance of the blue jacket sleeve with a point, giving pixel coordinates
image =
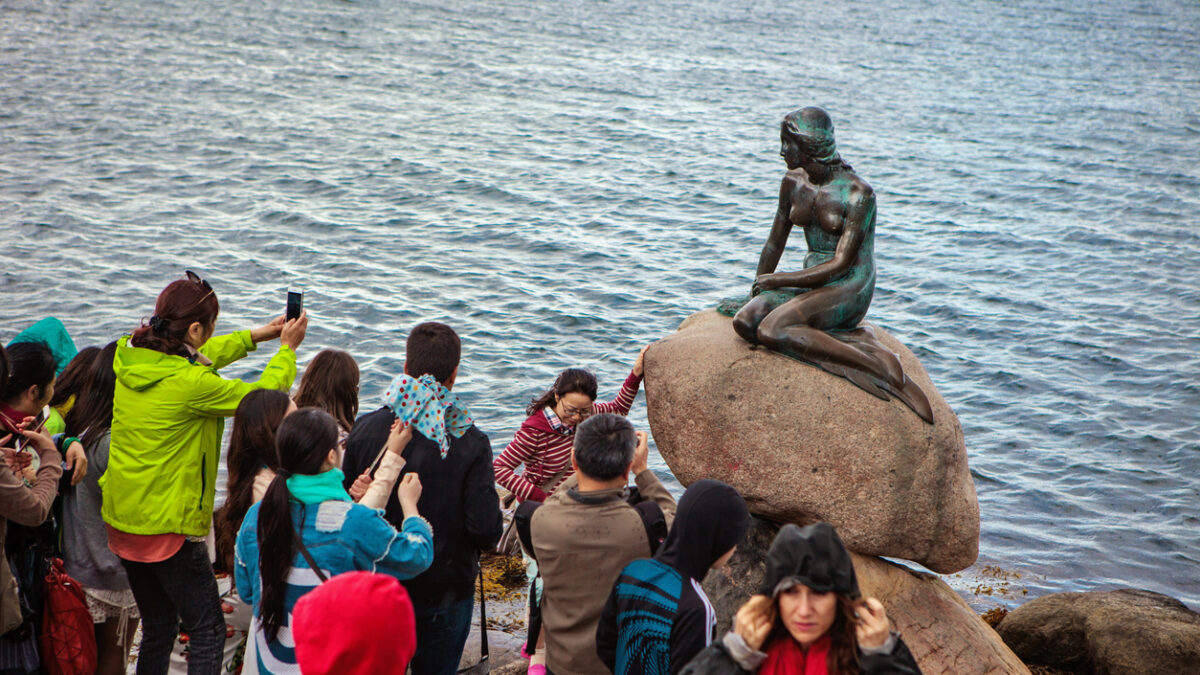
(245, 568)
(379, 547)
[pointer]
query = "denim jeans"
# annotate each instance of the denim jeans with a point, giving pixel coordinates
(441, 633)
(178, 591)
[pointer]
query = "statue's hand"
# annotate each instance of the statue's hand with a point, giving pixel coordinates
(762, 283)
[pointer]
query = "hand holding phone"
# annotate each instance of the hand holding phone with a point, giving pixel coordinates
(32, 425)
(293, 331)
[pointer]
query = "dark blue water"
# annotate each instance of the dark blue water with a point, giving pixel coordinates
(566, 181)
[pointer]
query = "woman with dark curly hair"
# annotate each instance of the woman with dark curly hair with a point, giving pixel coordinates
(250, 463)
(808, 617)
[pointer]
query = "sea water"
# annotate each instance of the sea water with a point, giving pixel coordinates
(565, 181)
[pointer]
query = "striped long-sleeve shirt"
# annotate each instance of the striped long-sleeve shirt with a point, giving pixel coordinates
(546, 452)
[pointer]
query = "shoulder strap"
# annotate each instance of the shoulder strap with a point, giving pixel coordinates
(523, 517)
(309, 559)
(655, 522)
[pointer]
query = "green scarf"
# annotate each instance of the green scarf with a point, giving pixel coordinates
(317, 488)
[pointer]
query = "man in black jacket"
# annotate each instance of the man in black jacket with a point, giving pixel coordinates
(458, 498)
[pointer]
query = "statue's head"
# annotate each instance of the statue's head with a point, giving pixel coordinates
(808, 133)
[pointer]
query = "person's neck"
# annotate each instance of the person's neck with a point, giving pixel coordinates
(819, 173)
(587, 484)
(25, 406)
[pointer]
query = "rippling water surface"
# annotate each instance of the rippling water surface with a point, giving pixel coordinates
(566, 181)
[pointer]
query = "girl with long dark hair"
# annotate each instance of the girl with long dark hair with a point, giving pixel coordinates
(86, 555)
(307, 529)
(67, 386)
(330, 383)
(251, 461)
(169, 407)
(808, 617)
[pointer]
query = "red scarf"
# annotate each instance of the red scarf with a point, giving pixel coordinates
(785, 657)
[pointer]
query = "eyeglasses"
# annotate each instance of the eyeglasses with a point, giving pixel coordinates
(571, 411)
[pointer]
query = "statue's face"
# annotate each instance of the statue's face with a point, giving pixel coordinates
(790, 151)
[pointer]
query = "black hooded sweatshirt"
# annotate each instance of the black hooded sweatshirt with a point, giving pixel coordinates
(657, 617)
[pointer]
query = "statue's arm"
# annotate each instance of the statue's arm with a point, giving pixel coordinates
(780, 229)
(858, 211)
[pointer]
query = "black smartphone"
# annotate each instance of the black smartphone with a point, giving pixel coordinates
(295, 302)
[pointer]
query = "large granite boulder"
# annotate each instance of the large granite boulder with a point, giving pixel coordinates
(802, 445)
(1108, 633)
(940, 629)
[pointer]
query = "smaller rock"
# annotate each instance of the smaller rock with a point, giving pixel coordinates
(1108, 633)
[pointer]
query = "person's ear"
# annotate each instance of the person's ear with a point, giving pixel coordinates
(331, 460)
(33, 393)
(196, 334)
(574, 464)
(406, 368)
(449, 383)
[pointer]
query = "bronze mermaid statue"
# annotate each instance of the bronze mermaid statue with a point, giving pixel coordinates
(813, 314)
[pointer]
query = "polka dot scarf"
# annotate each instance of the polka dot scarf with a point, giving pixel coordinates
(429, 407)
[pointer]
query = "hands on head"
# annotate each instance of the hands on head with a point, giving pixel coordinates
(754, 620)
(873, 627)
(756, 617)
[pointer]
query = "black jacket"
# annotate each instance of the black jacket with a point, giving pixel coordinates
(458, 498)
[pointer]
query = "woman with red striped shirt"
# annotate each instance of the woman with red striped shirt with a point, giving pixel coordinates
(543, 443)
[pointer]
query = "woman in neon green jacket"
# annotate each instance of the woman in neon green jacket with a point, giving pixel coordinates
(168, 418)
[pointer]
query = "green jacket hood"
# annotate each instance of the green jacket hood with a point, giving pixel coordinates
(139, 368)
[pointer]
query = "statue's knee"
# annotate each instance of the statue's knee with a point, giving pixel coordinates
(745, 329)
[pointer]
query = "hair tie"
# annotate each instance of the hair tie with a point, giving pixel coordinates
(156, 322)
(283, 473)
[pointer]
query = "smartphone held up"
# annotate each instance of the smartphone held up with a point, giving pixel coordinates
(295, 302)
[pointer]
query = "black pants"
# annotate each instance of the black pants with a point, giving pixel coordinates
(180, 590)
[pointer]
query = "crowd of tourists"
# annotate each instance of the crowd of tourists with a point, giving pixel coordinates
(351, 543)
